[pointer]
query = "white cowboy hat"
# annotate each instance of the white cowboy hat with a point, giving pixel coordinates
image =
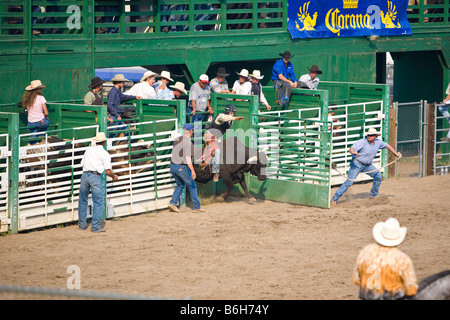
(373, 131)
(389, 233)
(147, 75)
(243, 73)
(119, 78)
(179, 86)
(35, 84)
(99, 137)
(166, 75)
(256, 74)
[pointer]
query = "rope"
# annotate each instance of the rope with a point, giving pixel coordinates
(333, 165)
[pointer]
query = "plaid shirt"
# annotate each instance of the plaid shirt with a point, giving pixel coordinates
(217, 87)
(384, 273)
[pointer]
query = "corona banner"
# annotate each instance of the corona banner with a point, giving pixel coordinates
(347, 18)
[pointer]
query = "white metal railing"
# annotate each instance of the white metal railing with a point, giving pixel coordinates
(4, 182)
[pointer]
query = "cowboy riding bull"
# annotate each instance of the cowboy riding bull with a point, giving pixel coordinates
(235, 160)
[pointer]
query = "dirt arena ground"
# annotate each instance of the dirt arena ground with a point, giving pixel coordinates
(237, 250)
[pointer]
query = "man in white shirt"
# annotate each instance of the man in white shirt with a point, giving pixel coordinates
(95, 161)
(144, 88)
(310, 80)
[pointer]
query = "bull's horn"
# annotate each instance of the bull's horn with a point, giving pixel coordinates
(265, 149)
(252, 159)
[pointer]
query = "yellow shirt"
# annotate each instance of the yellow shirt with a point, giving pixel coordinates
(384, 273)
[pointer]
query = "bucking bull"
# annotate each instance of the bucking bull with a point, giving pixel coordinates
(55, 157)
(236, 160)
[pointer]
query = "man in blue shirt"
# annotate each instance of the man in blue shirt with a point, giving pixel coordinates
(115, 97)
(363, 152)
(283, 77)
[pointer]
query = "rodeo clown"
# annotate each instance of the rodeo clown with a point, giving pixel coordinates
(215, 131)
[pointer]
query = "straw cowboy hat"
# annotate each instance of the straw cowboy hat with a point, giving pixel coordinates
(256, 74)
(35, 84)
(286, 54)
(95, 82)
(147, 75)
(315, 69)
(389, 233)
(243, 73)
(221, 72)
(119, 78)
(372, 131)
(179, 86)
(166, 75)
(99, 137)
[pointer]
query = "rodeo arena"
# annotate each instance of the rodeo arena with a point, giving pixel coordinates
(314, 138)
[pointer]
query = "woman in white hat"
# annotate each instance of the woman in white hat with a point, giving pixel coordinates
(95, 161)
(382, 271)
(242, 86)
(255, 78)
(363, 152)
(36, 106)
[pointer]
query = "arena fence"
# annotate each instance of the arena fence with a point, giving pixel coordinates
(441, 157)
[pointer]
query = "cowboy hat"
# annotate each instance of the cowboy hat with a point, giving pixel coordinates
(35, 84)
(119, 78)
(286, 54)
(256, 74)
(389, 233)
(243, 73)
(222, 72)
(147, 75)
(372, 131)
(95, 82)
(315, 69)
(166, 75)
(99, 137)
(179, 86)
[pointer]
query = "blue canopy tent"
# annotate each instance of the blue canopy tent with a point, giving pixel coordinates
(131, 73)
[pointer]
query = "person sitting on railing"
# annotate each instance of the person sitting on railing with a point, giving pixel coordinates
(310, 80)
(284, 79)
(162, 83)
(36, 106)
(167, 94)
(115, 97)
(144, 88)
(255, 78)
(443, 108)
(200, 99)
(243, 85)
(219, 84)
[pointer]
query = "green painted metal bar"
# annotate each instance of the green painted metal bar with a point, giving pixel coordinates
(13, 174)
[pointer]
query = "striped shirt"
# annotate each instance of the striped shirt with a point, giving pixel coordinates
(384, 273)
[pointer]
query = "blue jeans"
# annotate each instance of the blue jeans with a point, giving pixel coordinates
(90, 182)
(355, 168)
(37, 127)
(446, 114)
(183, 178)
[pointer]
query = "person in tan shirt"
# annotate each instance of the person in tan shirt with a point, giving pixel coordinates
(383, 272)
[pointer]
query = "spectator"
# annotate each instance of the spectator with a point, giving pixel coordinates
(94, 96)
(219, 84)
(163, 81)
(256, 90)
(167, 94)
(310, 80)
(200, 99)
(116, 97)
(284, 79)
(36, 105)
(242, 86)
(144, 88)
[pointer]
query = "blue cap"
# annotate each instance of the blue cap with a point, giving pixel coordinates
(188, 126)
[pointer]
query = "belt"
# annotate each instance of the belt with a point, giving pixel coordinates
(94, 172)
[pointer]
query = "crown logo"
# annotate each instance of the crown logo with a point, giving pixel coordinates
(350, 4)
